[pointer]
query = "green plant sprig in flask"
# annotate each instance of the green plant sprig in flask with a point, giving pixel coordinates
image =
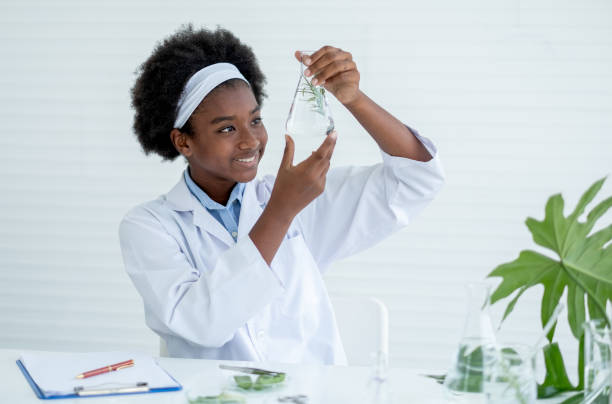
(317, 95)
(582, 265)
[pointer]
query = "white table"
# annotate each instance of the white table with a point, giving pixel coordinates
(323, 384)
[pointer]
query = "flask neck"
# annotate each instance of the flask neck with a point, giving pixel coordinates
(478, 323)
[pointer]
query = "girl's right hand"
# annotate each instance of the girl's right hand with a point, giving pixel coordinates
(296, 186)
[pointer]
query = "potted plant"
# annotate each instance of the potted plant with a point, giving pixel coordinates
(579, 262)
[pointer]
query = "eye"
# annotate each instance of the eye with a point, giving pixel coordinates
(227, 129)
(257, 121)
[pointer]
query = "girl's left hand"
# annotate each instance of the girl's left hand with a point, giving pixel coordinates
(335, 70)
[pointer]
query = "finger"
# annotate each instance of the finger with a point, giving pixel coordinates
(352, 76)
(319, 54)
(287, 160)
(333, 134)
(321, 168)
(324, 60)
(325, 169)
(327, 153)
(298, 55)
(333, 70)
(326, 149)
(322, 154)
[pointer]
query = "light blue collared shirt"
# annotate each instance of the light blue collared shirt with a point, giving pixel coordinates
(227, 215)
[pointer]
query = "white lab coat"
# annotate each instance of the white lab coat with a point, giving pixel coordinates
(211, 297)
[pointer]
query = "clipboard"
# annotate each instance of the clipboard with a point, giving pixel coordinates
(109, 390)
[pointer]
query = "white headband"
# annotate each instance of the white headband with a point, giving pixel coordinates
(199, 85)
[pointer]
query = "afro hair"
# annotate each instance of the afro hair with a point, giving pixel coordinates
(162, 77)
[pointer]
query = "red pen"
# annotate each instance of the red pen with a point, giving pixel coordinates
(106, 369)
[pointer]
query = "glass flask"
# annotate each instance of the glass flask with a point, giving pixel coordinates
(510, 377)
(597, 361)
(310, 118)
(464, 382)
(378, 386)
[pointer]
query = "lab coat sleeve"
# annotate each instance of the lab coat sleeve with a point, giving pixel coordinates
(204, 306)
(363, 205)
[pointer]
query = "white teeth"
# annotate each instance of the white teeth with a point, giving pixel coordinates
(247, 160)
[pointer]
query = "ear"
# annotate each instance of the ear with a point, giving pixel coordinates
(181, 142)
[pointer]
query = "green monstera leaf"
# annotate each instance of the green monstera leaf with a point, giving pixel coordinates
(581, 263)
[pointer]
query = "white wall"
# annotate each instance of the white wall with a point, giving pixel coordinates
(517, 96)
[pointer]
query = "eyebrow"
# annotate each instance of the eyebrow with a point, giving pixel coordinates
(231, 118)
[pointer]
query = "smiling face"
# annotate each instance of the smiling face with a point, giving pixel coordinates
(228, 140)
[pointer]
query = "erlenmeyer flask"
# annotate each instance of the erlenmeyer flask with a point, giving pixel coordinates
(378, 390)
(464, 381)
(597, 354)
(309, 119)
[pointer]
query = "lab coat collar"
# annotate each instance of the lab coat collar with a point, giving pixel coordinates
(250, 209)
(181, 199)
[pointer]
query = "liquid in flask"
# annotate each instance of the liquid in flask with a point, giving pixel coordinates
(310, 118)
(464, 382)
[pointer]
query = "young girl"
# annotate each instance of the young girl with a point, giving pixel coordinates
(229, 266)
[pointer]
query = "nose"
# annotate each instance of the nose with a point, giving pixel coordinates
(249, 139)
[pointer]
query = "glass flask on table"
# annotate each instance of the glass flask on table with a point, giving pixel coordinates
(378, 389)
(310, 118)
(597, 361)
(464, 382)
(510, 378)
